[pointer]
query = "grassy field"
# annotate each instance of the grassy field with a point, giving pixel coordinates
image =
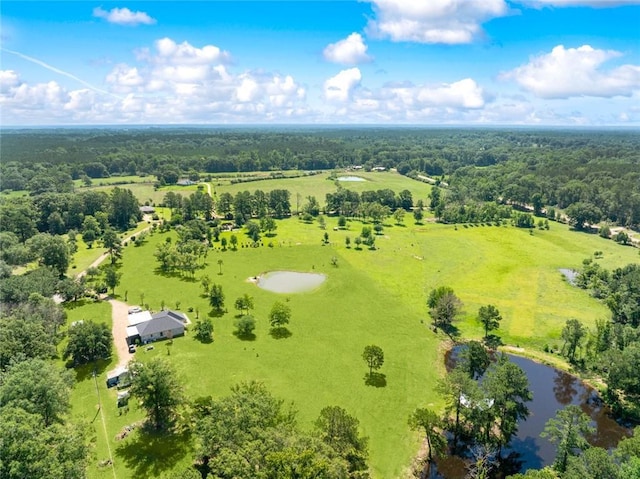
(370, 297)
(321, 184)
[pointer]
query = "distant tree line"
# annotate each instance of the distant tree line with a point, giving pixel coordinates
(593, 175)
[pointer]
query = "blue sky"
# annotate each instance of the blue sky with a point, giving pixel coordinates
(428, 62)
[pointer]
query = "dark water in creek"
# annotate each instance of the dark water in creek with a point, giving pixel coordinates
(552, 390)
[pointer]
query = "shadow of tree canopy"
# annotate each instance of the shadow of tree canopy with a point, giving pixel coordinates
(216, 313)
(377, 380)
(280, 333)
(85, 371)
(150, 453)
(246, 337)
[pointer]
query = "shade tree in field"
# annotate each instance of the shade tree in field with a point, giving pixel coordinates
(89, 342)
(155, 384)
(245, 325)
(216, 298)
(203, 330)
(374, 357)
(490, 318)
(444, 307)
(244, 303)
(279, 315)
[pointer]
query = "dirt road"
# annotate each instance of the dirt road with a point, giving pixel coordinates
(119, 313)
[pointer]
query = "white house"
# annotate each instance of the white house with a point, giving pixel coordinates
(162, 325)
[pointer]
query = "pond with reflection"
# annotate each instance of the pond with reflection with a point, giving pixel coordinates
(552, 390)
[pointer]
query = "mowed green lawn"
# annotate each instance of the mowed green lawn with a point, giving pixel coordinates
(371, 297)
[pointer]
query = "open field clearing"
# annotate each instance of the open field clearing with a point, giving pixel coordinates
(370, 297)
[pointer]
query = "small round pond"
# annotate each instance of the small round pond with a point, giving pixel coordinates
(350, 178)
(290, 281)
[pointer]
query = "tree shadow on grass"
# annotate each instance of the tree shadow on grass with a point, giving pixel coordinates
(377, 380)
(85, 371)
(244, 337)
(150, 453)
(78, 303)
(216, 313)
(200, 339)
(280, 333)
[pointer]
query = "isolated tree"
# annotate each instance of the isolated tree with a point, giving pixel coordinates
(112, 278)
(347, 242)
(245, 326)
(427, 421)
(38, 387)
(244, 303)
(155, 384)
(280, 315)
(216, 297)
(490, 318)
(203, 330)
(568, 428)
(205, 281)
(339, 429)
(572, 334)
(223, 243)
(88, 342)
(374, 357)
(418, 215)
(444, 307)
(358, 242)
(220, 263)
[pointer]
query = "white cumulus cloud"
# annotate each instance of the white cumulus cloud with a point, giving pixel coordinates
(576, 72)
(433, 21)
(186, 54)
(340, 87)
(349, 51)
(124, 16)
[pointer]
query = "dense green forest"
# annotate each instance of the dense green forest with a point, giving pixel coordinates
(595, 173)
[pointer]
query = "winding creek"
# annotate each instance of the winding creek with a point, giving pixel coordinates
(552, 390)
